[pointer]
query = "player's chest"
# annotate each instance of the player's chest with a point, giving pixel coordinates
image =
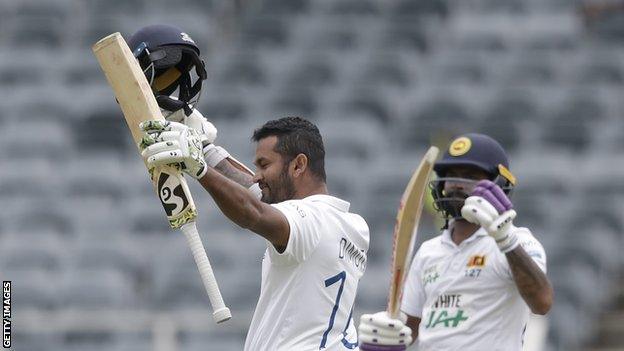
(469, 271)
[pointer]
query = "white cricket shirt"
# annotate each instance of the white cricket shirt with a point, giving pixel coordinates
(307, 292)
(465, 295)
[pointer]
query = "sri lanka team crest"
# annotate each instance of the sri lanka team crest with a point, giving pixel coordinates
(476, 261)
(460, 146)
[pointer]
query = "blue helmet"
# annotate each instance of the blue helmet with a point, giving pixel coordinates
(167, 54)
(472, 150)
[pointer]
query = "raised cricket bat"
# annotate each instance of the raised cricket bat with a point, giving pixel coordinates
(138, 104)
(405, 228)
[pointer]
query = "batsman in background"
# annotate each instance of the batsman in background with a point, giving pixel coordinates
(316, 249)
(472, 287)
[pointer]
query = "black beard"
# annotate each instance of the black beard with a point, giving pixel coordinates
(284, 189)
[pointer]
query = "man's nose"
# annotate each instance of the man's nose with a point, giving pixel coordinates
(257, 176)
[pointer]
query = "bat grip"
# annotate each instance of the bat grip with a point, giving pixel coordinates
(220, 312)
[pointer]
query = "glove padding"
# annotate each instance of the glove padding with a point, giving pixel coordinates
(379, 332)
(206, 130)
(489, 207)
(167, 143)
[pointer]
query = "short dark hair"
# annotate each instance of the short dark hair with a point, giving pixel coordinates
(296, 135)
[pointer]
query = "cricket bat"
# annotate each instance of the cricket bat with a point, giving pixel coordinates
(405, 228)
(138, 104)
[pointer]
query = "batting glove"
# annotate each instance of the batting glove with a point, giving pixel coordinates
(489, 207)
(167, 143)
(379, 332)
(207, 131)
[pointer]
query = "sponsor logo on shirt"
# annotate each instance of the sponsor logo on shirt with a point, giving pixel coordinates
(430, 275)
(446, 312)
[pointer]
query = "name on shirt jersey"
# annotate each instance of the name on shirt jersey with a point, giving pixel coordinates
(349, 252)
(445, 312)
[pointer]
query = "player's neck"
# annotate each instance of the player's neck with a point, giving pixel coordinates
(311, 189)
(461, 230)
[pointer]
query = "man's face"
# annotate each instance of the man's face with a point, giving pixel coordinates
(459, 182)
(461, 188)
(272, 173)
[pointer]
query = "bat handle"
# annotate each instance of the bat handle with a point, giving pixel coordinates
(220, 312)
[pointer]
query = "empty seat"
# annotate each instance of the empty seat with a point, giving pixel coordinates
(286, 7)
(102, 130)
(223, 108)
(504, 119)
(97, 288)
(422, 8)
(22, 139)
(405, 36)
(385, 72)
(354, 7)
(368, 105)
(245, 70)
(31, 253)
(569, 128)
(264, 31)
(33, 290)
(295, 102)
(601, 73)
(442, 117)
(538, 71)
(314, 74)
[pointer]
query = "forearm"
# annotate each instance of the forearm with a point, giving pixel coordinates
(531, 281)
(234, 199)
(232, 171)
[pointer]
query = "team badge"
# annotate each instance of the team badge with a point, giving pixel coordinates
(476, 261)
(186, 37)
(460, 146)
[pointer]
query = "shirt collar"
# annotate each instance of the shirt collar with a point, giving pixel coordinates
(330, 200)
(446, 236)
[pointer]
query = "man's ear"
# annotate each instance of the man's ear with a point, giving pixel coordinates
(299, 164)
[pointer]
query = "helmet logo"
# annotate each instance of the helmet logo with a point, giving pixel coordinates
(186, 37)
(460, 146)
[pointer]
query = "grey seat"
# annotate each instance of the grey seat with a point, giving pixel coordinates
(264, 31)
(504, 119)
(98, 288)
(285, 7)
(569, 127)
(443, 117)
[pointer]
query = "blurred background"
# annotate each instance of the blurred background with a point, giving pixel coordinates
(87, 246)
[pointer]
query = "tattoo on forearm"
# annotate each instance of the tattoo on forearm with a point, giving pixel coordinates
(529, 278)
(229, 171)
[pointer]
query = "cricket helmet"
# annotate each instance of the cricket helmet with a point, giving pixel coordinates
(469, 150)
(167, 55)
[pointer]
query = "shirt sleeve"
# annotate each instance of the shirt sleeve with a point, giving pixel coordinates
(414, 292)
(305, 233)
(532, 247)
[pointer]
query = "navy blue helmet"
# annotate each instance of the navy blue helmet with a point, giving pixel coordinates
(470, 150)
(167, 55)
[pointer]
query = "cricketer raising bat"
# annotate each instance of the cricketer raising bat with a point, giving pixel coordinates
(405, 228)
(138, 104)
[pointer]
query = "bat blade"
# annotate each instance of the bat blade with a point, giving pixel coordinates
(138, 104)
(408, 216)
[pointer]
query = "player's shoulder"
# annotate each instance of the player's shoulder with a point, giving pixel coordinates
(528, 241)
(431, 245)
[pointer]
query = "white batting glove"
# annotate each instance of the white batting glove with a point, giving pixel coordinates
(489, 207)
(197, 121)
(167, 143)
(378, 331)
